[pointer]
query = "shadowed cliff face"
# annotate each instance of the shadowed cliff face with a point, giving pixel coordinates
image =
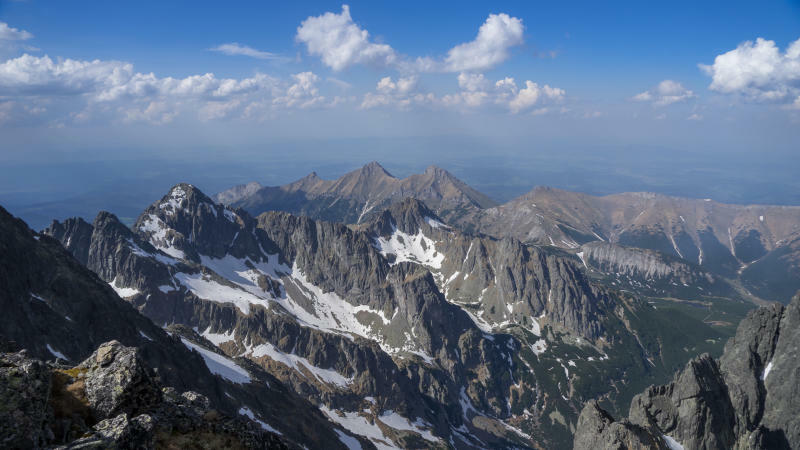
(403, 324)
(743, 400)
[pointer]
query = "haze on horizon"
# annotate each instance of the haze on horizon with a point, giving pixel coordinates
(679, 98)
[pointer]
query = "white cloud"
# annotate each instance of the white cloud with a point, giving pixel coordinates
(477, 91)
(758, 71)
(303, 93)
(666, 93)
(401, 93)
(12, 34)
(236, 49)
(155, 112)
(341, 43)
(695, 116)
(472, 81)
(99, 88)
(530, 95)
(495, 37)
(42, 76)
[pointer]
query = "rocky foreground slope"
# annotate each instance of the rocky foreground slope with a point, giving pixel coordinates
(113, 399)
(747, 399)
(402, 329)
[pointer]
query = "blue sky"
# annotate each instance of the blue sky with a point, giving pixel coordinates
(94, 79)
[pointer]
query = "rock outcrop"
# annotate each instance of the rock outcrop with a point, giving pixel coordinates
(112, 400)
(746, 400)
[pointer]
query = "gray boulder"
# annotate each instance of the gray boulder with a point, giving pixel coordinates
(24, 407)
(597, 430)
(117, 381)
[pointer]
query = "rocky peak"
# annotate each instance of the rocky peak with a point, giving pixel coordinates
(374, 169)
(237, 193)
(409, 216)
(747, 399)
(437, 172)
(108, 224)
(75, 234)
(186, 223)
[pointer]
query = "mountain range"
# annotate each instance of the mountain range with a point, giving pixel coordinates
(359, 195)
(377, 312)
(754, 246)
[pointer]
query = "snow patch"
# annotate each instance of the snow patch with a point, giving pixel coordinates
(245, 411)
(220, 365)
(158, 236)
(417, 248)
(208, 289)
(580, 255)
(56, 353)
(349, 441)
(399, 422)
(167, 288)
(230, 215)
(539, 347)
(297, 363)
(435, 223)
(359, 425)
(766, 371)
(535, 329)
(217, 338)
(123, 292)
(141, 333)
(173, 203)
(672, 444)
(246, 273)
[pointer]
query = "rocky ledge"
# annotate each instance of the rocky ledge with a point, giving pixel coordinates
(748, 399)
(111, 400)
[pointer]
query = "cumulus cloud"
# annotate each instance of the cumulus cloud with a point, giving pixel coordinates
(236, 49)
(531, 94)
(476, 91)
(340, 43)
(400, 93)
(42, 76)
(101, 87)
(8, 33)
(666, 93)
(472, 82)
(303, 93)
(758, 71)
(495, 37)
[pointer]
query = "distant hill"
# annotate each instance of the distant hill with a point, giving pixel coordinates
(359, 195)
